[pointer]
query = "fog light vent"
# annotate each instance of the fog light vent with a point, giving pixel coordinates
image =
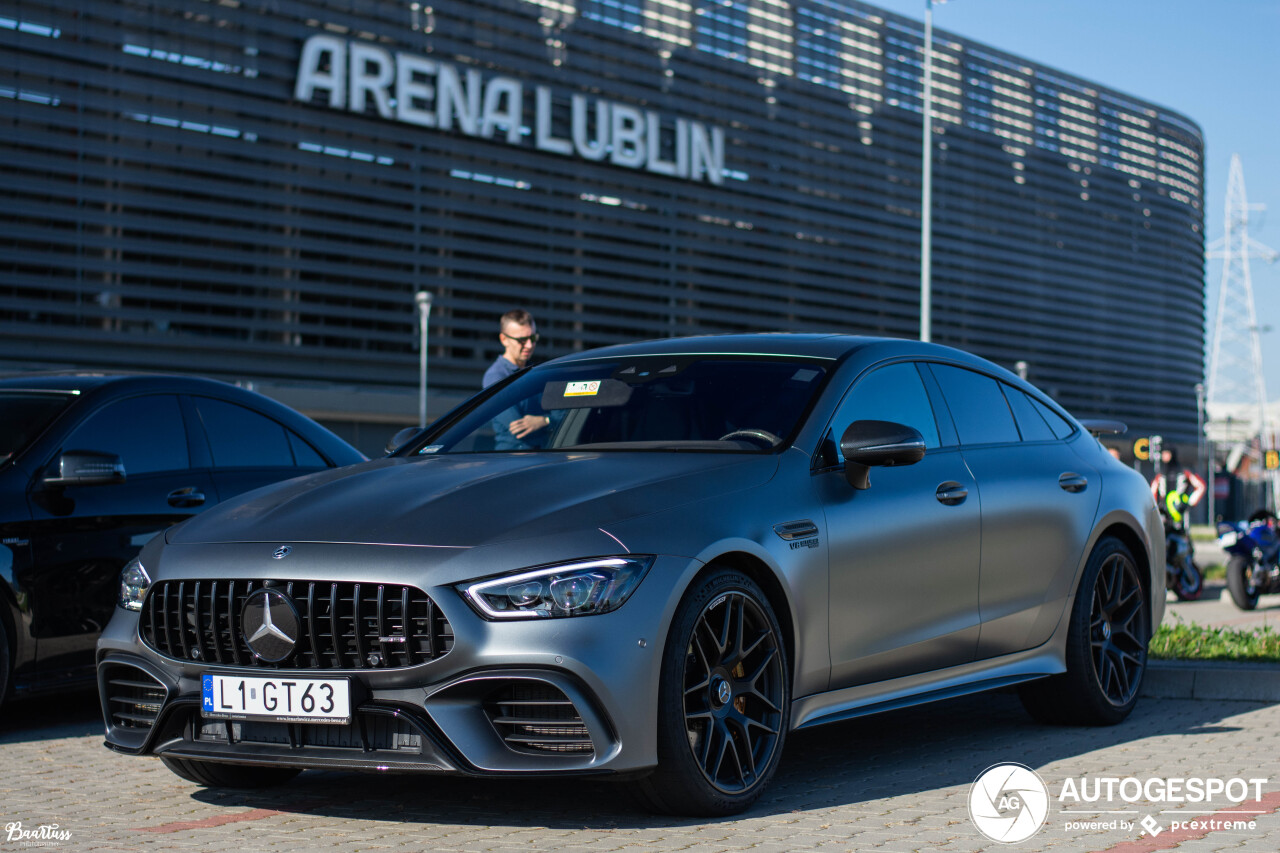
(134, 698)
(533, 717)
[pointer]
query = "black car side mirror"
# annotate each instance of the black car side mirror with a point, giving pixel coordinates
(866, 444)
(401, 438)
(85, 468)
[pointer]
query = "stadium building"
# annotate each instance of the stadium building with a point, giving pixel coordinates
(255, 189)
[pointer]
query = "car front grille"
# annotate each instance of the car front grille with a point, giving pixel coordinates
(343, 625)
(133, 697)
(538, 718)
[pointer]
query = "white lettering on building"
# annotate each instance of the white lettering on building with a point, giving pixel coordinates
(358, 76)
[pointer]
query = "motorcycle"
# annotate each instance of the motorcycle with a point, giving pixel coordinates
(1253, 564)
(1181, 574)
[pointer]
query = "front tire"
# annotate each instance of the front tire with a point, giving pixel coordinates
(1106, 653)
(1190, 583)
(724, 700)
(1239, 581)
(211, 774)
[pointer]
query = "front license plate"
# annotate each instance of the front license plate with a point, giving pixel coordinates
(282, 700)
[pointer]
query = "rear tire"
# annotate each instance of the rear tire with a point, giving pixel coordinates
(724, 701)
(1238, 582)
(1106, 653)
(211, 774)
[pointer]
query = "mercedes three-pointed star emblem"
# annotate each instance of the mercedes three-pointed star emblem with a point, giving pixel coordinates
(270, 625)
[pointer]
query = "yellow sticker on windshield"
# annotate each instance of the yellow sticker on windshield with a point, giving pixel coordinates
(582, 389)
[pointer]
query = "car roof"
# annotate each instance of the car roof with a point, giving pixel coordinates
(84, 381)
(798, 345)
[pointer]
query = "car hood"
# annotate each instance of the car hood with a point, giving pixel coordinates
(473, 499)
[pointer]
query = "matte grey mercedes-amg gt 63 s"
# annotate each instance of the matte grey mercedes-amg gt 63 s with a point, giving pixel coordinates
(705, 544)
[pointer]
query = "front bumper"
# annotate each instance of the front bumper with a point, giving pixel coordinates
(552, 696)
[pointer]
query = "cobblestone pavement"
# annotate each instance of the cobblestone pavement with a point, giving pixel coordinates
(897, 782)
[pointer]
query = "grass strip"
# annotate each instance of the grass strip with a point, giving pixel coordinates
(1189, 641)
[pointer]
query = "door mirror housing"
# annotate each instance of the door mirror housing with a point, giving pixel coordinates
(868, 444)
(85, 468)
(402, 437)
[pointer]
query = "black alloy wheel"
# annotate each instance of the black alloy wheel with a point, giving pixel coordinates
(724, 700)
(1118, 630)
(732, 692)
(1106, 648)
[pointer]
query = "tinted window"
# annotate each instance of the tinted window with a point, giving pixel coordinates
(1030, 423)
(978, 408)
(894, 393)
(652, 403)
(1060, 426)
(304, 455)
(147, 433)
(23, 416)
(240, 438)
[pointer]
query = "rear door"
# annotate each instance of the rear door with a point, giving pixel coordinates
(248, 449)
(1039, 500)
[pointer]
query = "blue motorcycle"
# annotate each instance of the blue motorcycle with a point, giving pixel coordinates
(1253, 557)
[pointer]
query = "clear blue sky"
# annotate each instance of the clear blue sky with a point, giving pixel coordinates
(1215, 61)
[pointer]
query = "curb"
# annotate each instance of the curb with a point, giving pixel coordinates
(1194, 679)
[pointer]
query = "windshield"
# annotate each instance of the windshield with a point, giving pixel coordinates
(24, 415)
(698, 403)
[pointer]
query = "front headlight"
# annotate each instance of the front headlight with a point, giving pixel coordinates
(571, 589)
(134, 583)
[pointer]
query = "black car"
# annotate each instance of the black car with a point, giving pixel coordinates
(93, 466)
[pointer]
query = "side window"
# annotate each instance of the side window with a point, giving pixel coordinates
(978, 408)
(1060, 426)
(894, 393)
(240, 438)
(147, 433)
(1030, 423)
(304, 455)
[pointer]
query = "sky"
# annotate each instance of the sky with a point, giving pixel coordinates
(1216, 62)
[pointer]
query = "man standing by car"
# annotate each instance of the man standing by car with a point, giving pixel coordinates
(514, 428)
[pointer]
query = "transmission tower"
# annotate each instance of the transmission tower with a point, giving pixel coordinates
(1236, 382)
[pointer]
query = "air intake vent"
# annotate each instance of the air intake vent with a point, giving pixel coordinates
(341, 625)
(537, 718)
(134, 698)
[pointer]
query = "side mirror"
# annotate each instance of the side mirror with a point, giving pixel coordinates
(85, 468)
(401, 438)
(866, 444)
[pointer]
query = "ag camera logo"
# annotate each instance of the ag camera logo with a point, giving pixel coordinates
(1008, 803)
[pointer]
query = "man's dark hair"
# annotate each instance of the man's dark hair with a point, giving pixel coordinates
(515, 317)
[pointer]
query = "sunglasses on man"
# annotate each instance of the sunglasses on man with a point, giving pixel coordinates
(527, 339)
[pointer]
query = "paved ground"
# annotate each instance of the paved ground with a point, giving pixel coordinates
(898, 782)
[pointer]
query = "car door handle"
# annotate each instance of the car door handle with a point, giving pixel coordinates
(952, 493)
(1072, 482)
(188, 497)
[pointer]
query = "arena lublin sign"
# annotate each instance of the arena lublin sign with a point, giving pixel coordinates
(406, 87)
